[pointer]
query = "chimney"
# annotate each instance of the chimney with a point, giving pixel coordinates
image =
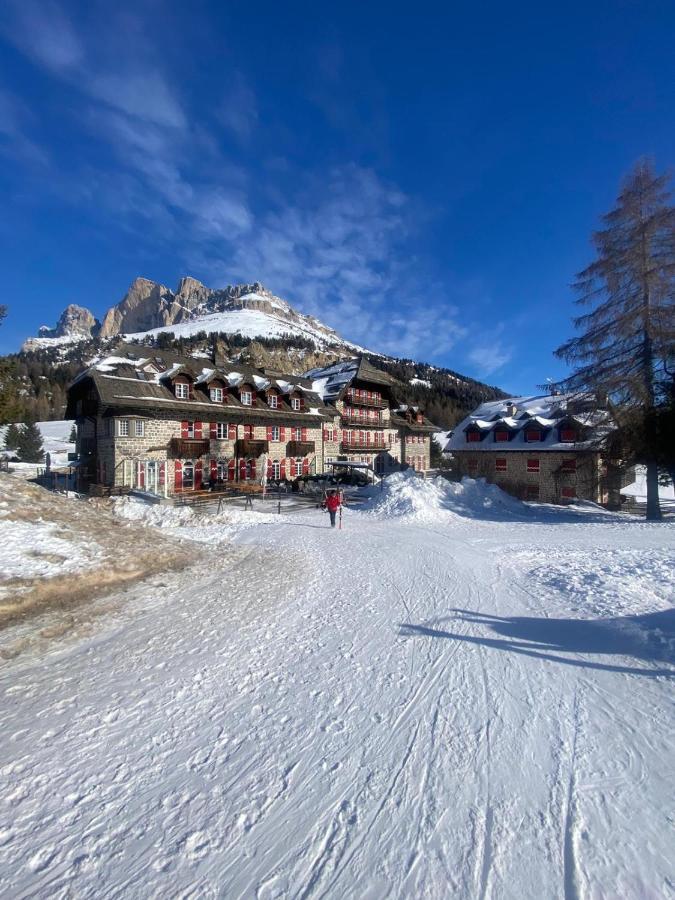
(511, 409)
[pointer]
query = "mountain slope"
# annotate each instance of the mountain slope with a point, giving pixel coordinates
(246, 322)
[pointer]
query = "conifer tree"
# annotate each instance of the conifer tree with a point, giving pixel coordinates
(628, 336)
(12, 437)
(30, 447)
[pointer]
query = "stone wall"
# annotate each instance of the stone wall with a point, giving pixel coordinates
(551, 484)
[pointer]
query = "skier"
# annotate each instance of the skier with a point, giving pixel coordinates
(332, 503)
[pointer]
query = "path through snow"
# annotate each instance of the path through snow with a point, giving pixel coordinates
(414, 707)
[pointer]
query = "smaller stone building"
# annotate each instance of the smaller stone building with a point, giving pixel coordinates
(546, 448)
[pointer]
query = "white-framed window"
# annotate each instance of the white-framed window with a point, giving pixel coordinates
(330, 434)
(328, 460)
(139, 428)
(190, 430)
(298, 465)
(295, 403)
(275, 433)
(296, 434)
(216, 394)
(273, 401)
(246, 398)
(182, 391)
(188, 474)
(221, 431)
(276, 469)
(123, 428)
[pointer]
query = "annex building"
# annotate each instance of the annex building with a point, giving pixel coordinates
(547, 448)
(154, 421)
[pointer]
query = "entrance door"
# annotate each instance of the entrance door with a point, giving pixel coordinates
(152, 477)
(188, 476)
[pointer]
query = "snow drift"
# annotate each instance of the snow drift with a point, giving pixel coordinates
(405, 495)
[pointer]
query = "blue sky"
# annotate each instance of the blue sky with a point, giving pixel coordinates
(423, 177)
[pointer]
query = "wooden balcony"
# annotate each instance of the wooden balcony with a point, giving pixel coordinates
(188, 448)
(348, 418)
(363, 401)
(351, 446)
(251, 449)
(299, 448)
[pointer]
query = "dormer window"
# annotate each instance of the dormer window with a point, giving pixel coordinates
(568, 435)
(216, 394)
(246, 398)
(532, 435)
(296, 403)
(501, 436)
(272, 401)
(420, 418)
(182, 390)
(473, 437)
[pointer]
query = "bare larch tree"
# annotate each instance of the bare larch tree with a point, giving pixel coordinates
(625, 351)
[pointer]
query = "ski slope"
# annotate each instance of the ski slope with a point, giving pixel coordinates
(457, 695)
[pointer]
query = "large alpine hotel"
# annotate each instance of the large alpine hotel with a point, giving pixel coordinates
(151, 421)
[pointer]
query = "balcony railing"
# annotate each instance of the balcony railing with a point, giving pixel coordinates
(188, 448)
(250, 448)
(299, 448)
(358, 444)
(366, 401)
(353, 416)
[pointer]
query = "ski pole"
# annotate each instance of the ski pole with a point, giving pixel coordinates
(340, 524)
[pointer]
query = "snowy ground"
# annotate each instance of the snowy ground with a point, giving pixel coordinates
(55, 441)
(457, 695)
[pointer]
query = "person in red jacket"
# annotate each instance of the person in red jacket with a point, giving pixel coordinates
(332, 503)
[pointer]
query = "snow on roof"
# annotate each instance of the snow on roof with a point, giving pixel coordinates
(261, 383)
(205, 375)
(520, 413)
(110, 363)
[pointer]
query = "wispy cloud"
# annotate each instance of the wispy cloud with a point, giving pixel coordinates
(490, 355)
(15, 122)
(239, 110)
(41, 30)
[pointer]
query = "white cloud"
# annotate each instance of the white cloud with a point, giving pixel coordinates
(490, 356)
(239, 110)
(42, 31)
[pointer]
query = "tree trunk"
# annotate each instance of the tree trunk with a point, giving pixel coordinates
(653, 505)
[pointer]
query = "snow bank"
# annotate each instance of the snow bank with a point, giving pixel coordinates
(405, 495)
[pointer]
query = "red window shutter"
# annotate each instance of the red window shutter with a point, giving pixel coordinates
(178, 475)
(473, 437)
(232, 432)
(282, 433)
(198, 430)
(283, 468)
(242, 470)
(568, 435)
(305, 466)
(162, 474)
(184, 430)
(213, 430)
(230, 470)
(270, 469)
(533, 465)
(214, 470)
(269, 432)
(198, 475)
(304, 434)
(253, 470)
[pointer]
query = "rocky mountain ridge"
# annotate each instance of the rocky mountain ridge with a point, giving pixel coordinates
(151, 306)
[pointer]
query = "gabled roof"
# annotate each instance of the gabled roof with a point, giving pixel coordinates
(331, 381)
(548, 413)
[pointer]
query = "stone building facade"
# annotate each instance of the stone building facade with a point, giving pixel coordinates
(539, 448)
(170, 426)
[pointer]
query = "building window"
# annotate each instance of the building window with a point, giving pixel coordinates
(568, 465)
(139, 428)
(532, 435)
(568, 435)
(296, 403)
(328, 434)
(276, 434)
(532, 492)
(182, 391)
(296, 434)
(190, 430)
(297, 464)
(328, 460)
(188, 474)
(500, 465)
(123, 427)
(568, 493)
(501, 436)
(246, 398)
(273, 401)
(473, 437)
(533, 465)
(221, 431)
(216, 394)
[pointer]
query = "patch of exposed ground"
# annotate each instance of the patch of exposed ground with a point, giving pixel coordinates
(60, 553)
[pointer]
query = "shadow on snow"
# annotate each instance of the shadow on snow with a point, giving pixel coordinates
(650, 638)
